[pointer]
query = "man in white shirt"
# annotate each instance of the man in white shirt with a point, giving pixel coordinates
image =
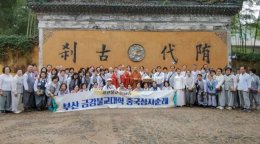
(189, 92)
(159, 77)
(243, 87)
(195, 72)
(171, 75)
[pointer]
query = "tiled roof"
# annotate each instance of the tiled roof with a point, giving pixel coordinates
(177, 7)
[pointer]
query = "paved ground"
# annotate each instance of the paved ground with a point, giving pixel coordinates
(132, 126)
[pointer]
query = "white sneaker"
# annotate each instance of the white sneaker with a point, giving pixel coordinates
(17, 112)
(220, 107)
(229, 108)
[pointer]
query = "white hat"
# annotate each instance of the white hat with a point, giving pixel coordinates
(109, 79)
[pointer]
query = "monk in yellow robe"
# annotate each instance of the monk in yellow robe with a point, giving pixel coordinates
(135, 78)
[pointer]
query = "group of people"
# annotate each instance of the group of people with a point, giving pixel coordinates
(206, 87)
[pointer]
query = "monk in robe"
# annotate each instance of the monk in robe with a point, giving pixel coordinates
(125, 78)
(115, 79)
(135, 78)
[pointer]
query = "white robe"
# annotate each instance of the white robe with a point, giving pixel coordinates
(179, 85)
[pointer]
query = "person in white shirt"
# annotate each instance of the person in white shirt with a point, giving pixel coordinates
(171, 75)
(138, 87)
(179, 86)
(62, 77)
(49, 75)
(165, 71)
(17, 92)
(195, 72)
(159, 77)
(146, 87)
(5, 90)
(230, 88)
(109, 75)
(189, 92)
(183, 71)
(220, 89)
(243, 87)
(167, 86)
(154, 87)
(101, 78)
(121, 87)
(109, 86)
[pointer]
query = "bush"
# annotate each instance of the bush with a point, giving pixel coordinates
(16, 44)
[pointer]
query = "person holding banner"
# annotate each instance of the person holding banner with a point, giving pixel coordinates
(63, 89)
(179, 86)
(75, 89)
(138, 87)
(154, 87)
(52, 89)
(83, 87)
(167, 86)
(146, 87)
(121, 88)
(109, 86)
(96, 87)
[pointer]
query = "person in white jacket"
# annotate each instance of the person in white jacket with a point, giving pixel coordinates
(243, 87)
(179, 86)
(17, 92)
(220, 89)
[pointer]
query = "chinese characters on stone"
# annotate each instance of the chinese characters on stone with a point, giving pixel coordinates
(103, 56)
(204, 51)
(170, 51)
(201, 50)
(67, 51)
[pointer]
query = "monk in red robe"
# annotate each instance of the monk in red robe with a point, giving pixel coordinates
(135, 78)
(114, 79)
(125, 78)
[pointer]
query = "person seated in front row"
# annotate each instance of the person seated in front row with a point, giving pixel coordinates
(166, 86)
(129, 88)
(83, 87)
(154, 87)
(95, 87)
(109, 86)
(146, 87)
(75, 89)
(63, 89)
(121, 87)
(138, 87)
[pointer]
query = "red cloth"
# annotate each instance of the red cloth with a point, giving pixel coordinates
(125, 79)
(115, 80)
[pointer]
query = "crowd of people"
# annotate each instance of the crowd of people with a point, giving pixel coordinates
(205, 87)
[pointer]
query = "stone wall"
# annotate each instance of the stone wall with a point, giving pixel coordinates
(220, 25)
